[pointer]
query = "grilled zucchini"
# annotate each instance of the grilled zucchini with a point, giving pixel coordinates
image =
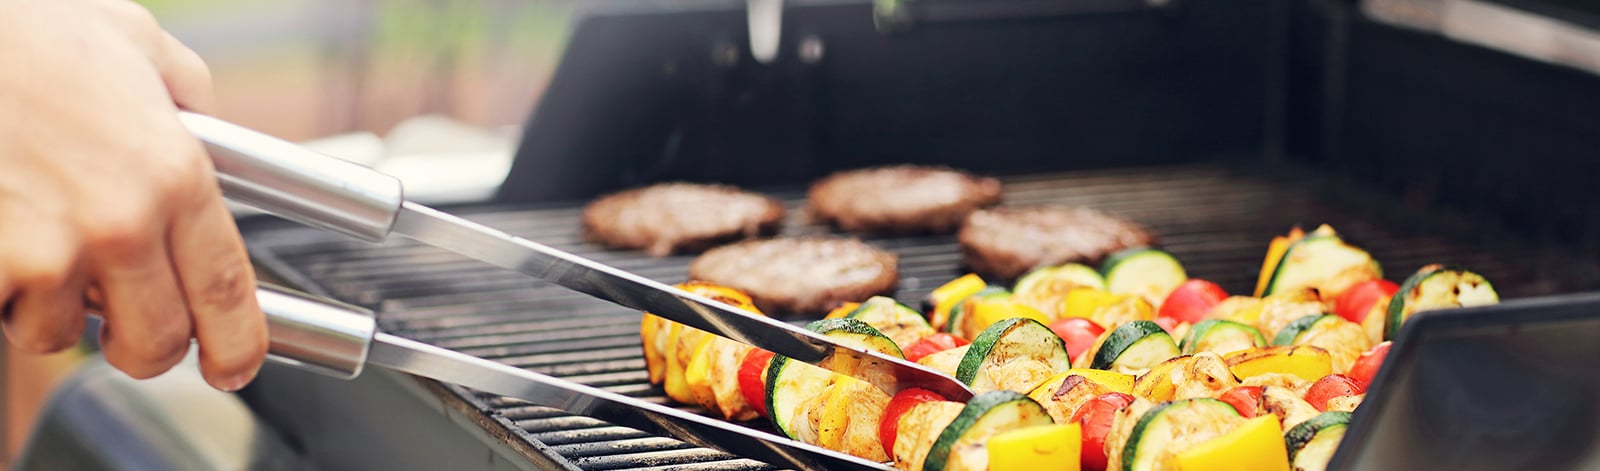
(1312, 443)
(1172, 428)
(1437, 287)
(1149, 273)
(963, 445)
(817, 406)
(1013, 354)
(1134, 347)
(1221, 337)
(1324, 262)
(899, 322)
(1344, 340)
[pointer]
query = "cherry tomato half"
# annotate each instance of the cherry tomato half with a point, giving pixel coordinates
(898, 406)
(1077, 333)
(1097, 416)
(1192, 300)
(1246, 399)
(933, 344)
(753, 381)
(1332, 386)
(1366, 366)
(1356, 302)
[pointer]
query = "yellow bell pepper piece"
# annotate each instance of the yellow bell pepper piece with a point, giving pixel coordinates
(1308, 362)
(947, 295)
(1124, 308)
(835, 414)
(1083, 302)
(1256, 446)
(841, 311)
(677, 386)
(1275, 251)
(1054, 447)
(1242, 309)
(698, 375)
(988, 312)
(1119, 382)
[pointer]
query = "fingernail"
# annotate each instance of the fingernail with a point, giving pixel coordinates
(237, 382)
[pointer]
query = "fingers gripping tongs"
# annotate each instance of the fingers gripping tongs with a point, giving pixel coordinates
(293, 182)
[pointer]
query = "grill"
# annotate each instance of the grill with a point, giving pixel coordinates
(1215, 217)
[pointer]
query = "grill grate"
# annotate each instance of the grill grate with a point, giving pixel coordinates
(1215, 218)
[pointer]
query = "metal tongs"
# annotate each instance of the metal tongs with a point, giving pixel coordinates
(287, 180)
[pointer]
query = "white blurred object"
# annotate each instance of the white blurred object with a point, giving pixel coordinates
(438, 159)
(1496, 26)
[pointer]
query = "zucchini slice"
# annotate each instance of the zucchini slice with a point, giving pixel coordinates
(1135, 346)
(1014, 354)
(1046, 288)
(1059, 278)
(963, 445)
(1437, 287)
(1147, 272)
(1221, 337)
(1174, 427)
(899, 322)
(1325, 262)
(1344, 340)
(1312, 443)
(1289, 333)
(791, 384)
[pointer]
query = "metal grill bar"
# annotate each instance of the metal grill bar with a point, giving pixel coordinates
(1215, 218)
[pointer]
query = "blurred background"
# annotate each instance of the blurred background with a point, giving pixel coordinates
(304, 69)
(309, 68)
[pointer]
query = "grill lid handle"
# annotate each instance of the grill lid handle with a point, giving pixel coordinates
(307, 187)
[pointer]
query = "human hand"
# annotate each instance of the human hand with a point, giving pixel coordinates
(102, 190)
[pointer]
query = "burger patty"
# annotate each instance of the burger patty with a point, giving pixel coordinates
(1005, 243)
(900, 199)
(799, 275)
(672, 218)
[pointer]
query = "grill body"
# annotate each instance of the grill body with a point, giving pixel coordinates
(1214, 217)
(1216, 123)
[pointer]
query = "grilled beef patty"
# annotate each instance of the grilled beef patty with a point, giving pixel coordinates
(900, 200)
(808, 275)
(1004, 243)
(679, 217)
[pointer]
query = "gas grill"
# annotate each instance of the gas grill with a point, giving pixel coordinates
(1308, 130)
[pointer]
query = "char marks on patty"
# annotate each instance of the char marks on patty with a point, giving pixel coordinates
(804, 275)
(672, 218)
(903, 199)
(1004, 243)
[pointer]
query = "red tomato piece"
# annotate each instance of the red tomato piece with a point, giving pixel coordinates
(898, 406)
(753, 381)
(1077, 333)
(933, 344)
(1332, 386)
(1367, 365)
(1192, 300)
(1246, 399)
(1097, 416)
(1356, 302)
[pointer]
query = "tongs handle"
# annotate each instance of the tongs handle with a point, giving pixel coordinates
(287, 180)
(316, 335)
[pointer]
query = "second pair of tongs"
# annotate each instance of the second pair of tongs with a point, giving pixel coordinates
(290, 181)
